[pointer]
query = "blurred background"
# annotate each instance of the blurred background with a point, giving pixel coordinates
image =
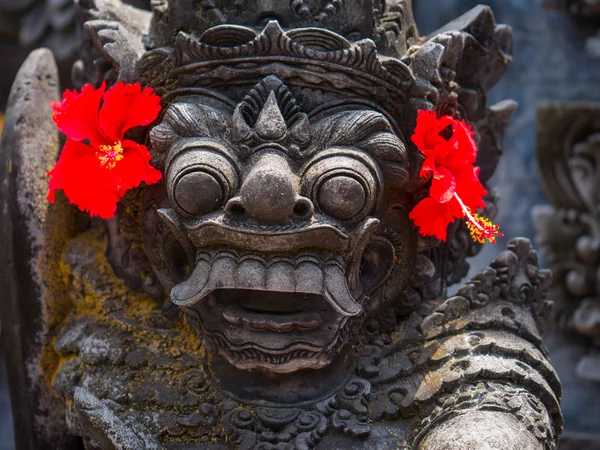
(555, 60)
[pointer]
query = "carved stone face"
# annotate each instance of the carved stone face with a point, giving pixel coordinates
(287, 222)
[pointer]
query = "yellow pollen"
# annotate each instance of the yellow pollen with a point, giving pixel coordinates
(480, 227)
(109, 155)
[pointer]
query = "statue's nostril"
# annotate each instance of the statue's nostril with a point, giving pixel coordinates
(303, 208)
(236, 210)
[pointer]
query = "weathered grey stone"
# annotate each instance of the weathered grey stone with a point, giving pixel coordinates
(291, 302)
(30, 144)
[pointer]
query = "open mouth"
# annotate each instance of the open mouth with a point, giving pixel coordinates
(305, 275)
(281, 331)
(272, 311)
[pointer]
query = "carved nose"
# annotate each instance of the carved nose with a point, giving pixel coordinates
(270, 193)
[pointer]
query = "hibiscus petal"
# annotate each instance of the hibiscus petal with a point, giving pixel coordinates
(126, 106)
(442, 186)
(465, 149)
(428, 166)
(427, 132)
(469, 188)
(66, 164)
(76, 115)
(135, 167)
(432, 218)
(85, 183)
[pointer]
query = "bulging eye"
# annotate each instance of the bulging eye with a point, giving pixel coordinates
(200, 180)
(198, 192)
(341, 196)
(343, 187)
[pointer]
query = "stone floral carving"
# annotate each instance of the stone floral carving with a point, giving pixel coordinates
(271, 292)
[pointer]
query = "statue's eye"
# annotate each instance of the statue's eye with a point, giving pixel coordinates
(341, 196)
(200, 181)
(343, 187)
(198, 192)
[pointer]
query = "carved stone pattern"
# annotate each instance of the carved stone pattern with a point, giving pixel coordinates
(42, 22)
(46, 23)
(495, 397)
(257, 106)
(569, 230)
(430, 359)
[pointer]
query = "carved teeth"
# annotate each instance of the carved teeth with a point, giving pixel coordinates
(281, 277)
(250, 275)
(337, 292)
(309, 278)
(225, 271)
(278, 323)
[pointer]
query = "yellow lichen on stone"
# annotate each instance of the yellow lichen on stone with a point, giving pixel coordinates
(60, 224)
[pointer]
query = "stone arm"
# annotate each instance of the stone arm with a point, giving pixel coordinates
(486, 381)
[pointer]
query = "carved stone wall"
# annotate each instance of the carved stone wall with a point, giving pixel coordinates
(28, 24)
(587, 15)
(568, 231)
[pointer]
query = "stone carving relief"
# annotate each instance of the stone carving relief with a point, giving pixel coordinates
(271, 292)
(48, 23)
(567, 231)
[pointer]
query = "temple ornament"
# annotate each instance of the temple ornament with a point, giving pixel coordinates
(270, 290)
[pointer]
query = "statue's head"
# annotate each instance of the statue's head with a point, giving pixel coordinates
(281, 227)
(291, 223)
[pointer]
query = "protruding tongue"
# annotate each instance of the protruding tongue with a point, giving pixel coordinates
(307, 277)
(194, 287)
(337, 292)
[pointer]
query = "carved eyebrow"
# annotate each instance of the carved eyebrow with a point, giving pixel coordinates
(369, 131)
(187, 120)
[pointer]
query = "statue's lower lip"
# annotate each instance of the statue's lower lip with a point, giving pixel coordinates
(269, 320)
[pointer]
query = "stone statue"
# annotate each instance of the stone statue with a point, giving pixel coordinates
(271, 291)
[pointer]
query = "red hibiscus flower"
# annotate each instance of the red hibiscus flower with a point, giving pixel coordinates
(455, 191)
(97, 164)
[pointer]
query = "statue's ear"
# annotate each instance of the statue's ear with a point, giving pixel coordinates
(33, 237)
(458, 65)
(112, 41)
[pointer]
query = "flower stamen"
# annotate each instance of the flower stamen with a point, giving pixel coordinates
(480, 228)
(109, 155)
